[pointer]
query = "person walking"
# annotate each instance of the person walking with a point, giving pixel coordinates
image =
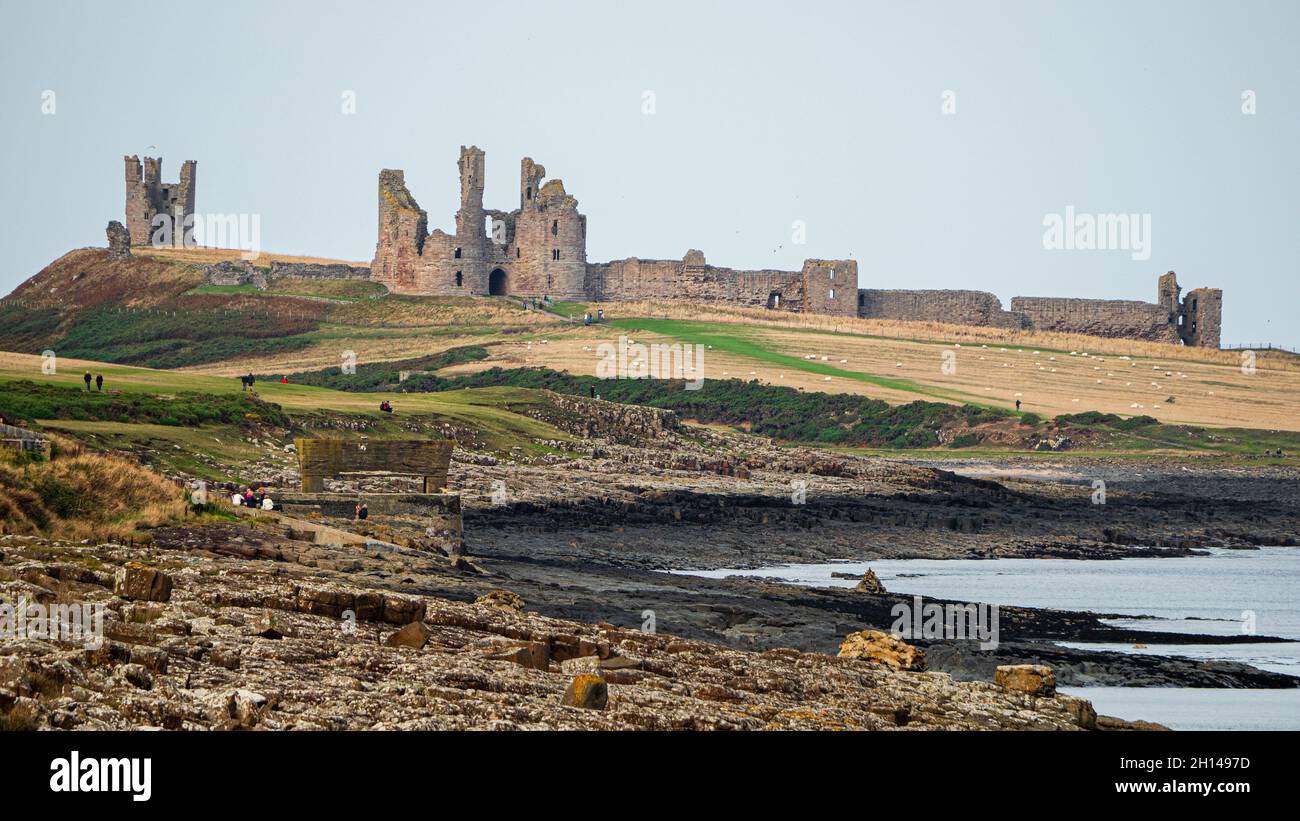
(99, 382)
(87, 379)
(1017, 404)
(363, 511)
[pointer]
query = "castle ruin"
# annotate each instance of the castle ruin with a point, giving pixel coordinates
(147, 196)
(540, 249)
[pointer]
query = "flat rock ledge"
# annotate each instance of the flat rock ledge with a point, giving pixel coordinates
(242, 644)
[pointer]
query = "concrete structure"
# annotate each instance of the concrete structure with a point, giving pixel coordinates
(320, 459)
(147, 196)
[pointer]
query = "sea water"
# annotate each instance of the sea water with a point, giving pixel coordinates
(1227, 592)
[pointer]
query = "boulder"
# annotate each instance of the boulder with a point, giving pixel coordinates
(414, 635)
(870, 583)
(587, 691)
(272, 625)
(1034, 679)
(882, 648)
(1081, 710)
(140, 583)
(503, 599)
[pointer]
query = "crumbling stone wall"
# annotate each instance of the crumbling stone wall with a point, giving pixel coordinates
(822, 286)
(119, 240)
(954, 306)
(1194, 321)
(316, 270)
(691, 279)
(236, 272)
(1122, 318)
(243, 272)
(1198, 317)
(147, 196)
(539, 249)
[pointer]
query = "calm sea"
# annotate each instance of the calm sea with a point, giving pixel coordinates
(1225, 593)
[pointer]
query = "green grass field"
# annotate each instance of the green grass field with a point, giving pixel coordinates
(499, 415)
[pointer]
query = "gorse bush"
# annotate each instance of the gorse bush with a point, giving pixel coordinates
(784, 414)
(167, 339)
(382, 376)
(31, 401)
(84, 495)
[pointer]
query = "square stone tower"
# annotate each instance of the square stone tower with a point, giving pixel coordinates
(147, 196)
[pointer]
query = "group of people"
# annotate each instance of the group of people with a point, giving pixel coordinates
(255, 498)
(587, 318)
(386, 406)
(532, 304)
(99, 381)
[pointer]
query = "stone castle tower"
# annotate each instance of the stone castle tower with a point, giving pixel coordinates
(538, 249)
(1198, 317)
(147, 196)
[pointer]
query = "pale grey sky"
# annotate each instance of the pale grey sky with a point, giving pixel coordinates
(765, 113)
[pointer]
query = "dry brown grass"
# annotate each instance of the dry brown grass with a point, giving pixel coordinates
(82, 495)
(1210, 390)
(942, 332)
(207, 256)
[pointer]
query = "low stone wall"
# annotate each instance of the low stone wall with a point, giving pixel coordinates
(243, 272)
(23, 439)
(314, 270)
(236, 272)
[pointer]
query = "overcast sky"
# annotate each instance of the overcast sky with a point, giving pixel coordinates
(763, 114)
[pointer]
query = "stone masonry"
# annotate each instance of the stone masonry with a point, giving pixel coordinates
(540, 249)
(119, 240)
(147, 196)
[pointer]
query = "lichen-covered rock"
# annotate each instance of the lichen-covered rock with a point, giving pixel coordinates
(882, 648)
(481, 666)
(502, 598)
(1034, 679)
(587, 691)
(140, 583)
(870, 583)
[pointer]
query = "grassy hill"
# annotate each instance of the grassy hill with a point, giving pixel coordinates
(155, 310)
